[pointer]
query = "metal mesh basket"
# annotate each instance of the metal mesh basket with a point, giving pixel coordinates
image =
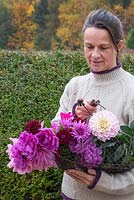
(118, 156)
(116, 168)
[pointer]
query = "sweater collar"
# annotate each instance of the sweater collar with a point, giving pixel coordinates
(111, 76)
(108, 70)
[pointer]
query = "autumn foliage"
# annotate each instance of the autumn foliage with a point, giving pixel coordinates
(50, 24)
(23, 38)
(72, 15)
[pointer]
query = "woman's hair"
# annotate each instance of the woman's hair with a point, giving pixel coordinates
(104, 19)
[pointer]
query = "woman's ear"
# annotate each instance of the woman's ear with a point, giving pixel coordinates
(121, 45)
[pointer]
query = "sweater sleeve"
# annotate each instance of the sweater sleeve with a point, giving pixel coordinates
(119, 184)
(70, 94)
(64, 102)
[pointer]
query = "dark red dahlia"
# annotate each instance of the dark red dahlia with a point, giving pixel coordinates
(64, 136)
(33, 126)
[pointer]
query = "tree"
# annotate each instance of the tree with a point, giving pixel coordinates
(25, 28)
(130, 39)
(72, 15)
(6, 27)
(123, 3)
(41, 10)
(129, 15)
(126, 3)
(46, 16)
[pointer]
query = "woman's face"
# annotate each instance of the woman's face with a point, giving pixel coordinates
(99, 49)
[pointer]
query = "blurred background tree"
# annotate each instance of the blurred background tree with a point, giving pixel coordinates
(23, 37)
(46, 16)
(6, 28)
(72, 15)
(50, 24)
(130, 39)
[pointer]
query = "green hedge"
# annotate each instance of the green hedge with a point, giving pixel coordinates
(31, 85)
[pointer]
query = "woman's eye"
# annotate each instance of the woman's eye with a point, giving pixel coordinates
(90, 47)
(104, 48)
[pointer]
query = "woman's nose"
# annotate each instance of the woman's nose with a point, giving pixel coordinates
(95, 53)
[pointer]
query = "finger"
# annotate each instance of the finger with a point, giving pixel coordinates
(80, 177)
(83, 111)
(80, 180)
(90, 108)
(82, 114)
(78, 173)
(92, 172)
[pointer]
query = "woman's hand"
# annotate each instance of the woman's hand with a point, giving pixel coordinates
(82, 177)
(85, 111)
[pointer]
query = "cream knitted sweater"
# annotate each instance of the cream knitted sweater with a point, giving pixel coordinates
(115, 90)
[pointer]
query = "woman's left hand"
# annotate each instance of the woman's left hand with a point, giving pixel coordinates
(82, 177)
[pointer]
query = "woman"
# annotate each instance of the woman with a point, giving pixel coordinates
(113, 86)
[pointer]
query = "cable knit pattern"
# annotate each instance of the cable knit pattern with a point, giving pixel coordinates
(115, 90)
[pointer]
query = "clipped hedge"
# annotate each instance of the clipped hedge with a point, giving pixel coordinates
(31, 85)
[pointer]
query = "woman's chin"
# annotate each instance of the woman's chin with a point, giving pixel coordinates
(96, 69)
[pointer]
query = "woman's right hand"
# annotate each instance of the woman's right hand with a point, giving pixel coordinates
(85, 111)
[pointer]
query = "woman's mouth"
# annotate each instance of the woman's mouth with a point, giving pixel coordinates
(96, 62)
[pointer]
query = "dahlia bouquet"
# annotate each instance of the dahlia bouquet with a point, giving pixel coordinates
(76, 146)
(34, 149)
(99, 143)
(71, 143)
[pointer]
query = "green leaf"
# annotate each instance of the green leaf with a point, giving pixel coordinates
(132, 124)
(118, 153)
(109, 144)
(128, 159)
(126, 129)
(123, 138)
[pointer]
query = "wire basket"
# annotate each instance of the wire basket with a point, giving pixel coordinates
(116, 168)
(65, 164)
(118, 156)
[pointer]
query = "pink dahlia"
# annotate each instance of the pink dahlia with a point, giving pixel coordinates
(104, 125)
(80, 131)
(22, 152)
(66, 116)
(47, 139)
(91, 156)
(65, 124)
(78, 146)
(44, 159)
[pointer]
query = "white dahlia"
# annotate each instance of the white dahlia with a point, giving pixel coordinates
(104, 125)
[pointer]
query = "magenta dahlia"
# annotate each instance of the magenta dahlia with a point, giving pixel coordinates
(91, 156)
(80, 131)
(22, 152)
(47, 139)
